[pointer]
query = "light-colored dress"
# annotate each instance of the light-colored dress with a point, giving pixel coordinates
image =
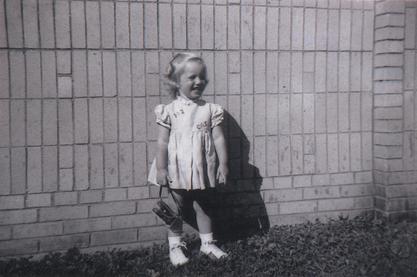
(191, 150)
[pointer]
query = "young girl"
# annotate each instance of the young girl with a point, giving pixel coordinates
(189, 138)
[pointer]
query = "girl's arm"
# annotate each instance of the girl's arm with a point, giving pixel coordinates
(162, 156)
(221, 150)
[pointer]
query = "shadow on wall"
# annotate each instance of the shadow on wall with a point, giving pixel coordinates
(239, 208)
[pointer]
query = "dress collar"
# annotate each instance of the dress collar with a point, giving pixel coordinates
(186, 101)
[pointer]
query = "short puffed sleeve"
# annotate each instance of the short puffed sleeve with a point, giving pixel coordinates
(162, 116)
(216, 115)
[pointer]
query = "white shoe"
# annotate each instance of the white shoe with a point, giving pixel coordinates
(176, 255)
(209, 248)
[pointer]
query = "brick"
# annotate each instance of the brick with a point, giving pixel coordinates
(296, 113)
(11, 202)
(115, 194)
(233, 27)
(79, 76)
(38, 200)
(94, 73)
(34, 169)
(91, 196)
(302, 181)
(151, 32)
(66, 179)
(298, 207)
(332, 66)
(3, 31)
(87, 225)
(64, 242)
(297, 15)
(49, 88)
(4, 73)
(367, 71)
(363, 177)
(388, 100)
(17, 216)
(16, 247)
(284, 155)
(368, 30)
(344, 157)
(271, 72)
(66, 157)
(296, 154)
(388, 125)
(107, 24)
(93, 24)
(136, 25)
(389, 33)
(81, 167)
(333, 30)
(136, 220)
(309, 29)
(124, 74)
(33, 74)
(61, 213)
(138, 192)
(62, 24)
(115, 208)
(220, 27)
(388, 138)
(341, 178)
(49, 168)
(410, 25)
(308, 113)
(65, 121)
(111, 165)
(343, 72)
(272, 156)
(207, 26)
(246, 73)
(33, 121)
(122, 25)
(125, 164)
(152, 233)
(140, 161)
(17, 118)
(220, 72)
(139, 119)
(5, 233)
(46, 24)
(282, 182)
(282, 195)
(366, 151)
(14, 23)
(78, 29)
(389, 46)
(125, 119)
(247, 115)
(165, 25)
(284, 28)
(145, 205)
(355, 71)
(38, 230)
(355, 151)
(321, 153)
(64, 87)
(321, 192)
(65, 198)
(271, 114)
(80, 120)
(345, 31)
(356, 33)
(109, 74)
(366, 113)
(18, 170)
(321, 29)
(345, 204)
(110, 119)
(388, 113)
(96, 166)
(64, 62)
(409, 69)
(17, 70)
(320, 180)
(179, 27)
(382, 60)
(96, 120)
(356, 190)
(389, 7)
(260, 16)
(332, 153)
(260, 155)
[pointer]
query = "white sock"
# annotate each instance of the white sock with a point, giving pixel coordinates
(174, 240)
(206, 238)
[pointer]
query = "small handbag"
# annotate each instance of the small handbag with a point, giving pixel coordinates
(164, 211)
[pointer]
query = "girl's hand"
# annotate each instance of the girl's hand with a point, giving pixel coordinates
(222, 174)
(162, 177)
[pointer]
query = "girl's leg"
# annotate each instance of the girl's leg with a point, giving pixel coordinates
(204, 222)
(176, 245)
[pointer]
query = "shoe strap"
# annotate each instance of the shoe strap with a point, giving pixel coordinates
(178, 245)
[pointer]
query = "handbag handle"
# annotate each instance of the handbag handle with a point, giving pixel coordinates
(172, 195)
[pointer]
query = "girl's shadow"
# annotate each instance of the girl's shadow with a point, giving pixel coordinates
(239, 210)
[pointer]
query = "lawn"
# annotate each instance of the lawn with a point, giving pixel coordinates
(345, 247)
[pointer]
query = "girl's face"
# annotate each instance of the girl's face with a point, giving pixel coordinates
(193, 80)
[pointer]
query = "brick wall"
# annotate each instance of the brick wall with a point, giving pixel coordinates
(394, 98)
(80, 80)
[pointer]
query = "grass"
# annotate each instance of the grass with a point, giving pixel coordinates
(344, 247)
